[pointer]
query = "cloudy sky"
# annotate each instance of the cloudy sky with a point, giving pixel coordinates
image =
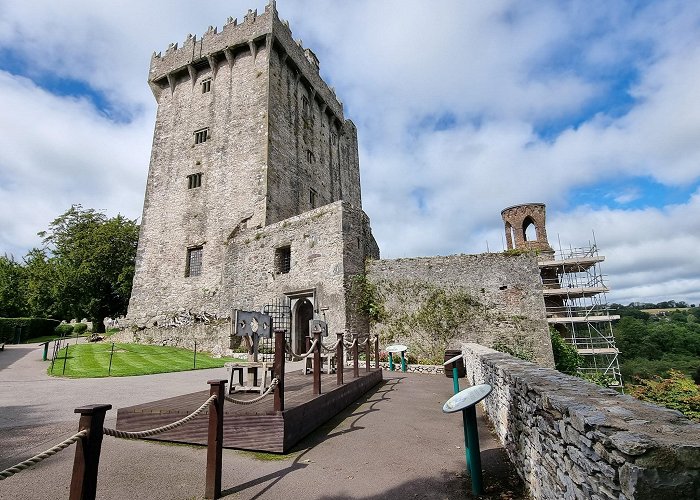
(463, 108)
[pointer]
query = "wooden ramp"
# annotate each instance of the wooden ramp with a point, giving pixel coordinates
(256, 426)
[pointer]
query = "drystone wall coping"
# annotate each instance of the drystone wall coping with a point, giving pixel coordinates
(571, 439)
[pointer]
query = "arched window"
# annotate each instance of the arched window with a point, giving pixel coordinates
(529, 229)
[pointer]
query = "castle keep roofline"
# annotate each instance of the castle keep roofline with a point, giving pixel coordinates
(214, 48)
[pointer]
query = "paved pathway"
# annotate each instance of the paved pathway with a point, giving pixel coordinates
(393, 443)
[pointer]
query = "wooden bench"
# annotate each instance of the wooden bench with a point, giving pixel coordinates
(327, 360)
(249, 376)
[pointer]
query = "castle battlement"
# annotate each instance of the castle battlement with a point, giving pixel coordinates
(216, 48)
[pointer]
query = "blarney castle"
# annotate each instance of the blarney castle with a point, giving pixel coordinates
(253, 202)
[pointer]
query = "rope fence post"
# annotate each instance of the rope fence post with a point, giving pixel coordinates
(376, 351)
(317, 363)
(339, 362)
(355, 360)
(83, 484)
(111, 354)
(278, 368)
(215, 439)
(368, 351)
(65, 358)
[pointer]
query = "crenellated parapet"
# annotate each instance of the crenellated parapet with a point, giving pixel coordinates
(216, 49)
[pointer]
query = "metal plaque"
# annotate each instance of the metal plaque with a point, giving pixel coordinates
(396, 348)
(250, 323)
(466, 398)
(318, 326)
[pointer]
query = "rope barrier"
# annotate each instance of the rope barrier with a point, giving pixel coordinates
(350, 345)
(158, 430)
(303, 356)
(364, 342)
(331, 349)
(42, 456)
(273, 384)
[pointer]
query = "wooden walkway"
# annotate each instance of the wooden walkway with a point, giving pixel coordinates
(256, 426)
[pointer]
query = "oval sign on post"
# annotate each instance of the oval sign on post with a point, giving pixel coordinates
(466, 398)
(452, 360)
(396, 348)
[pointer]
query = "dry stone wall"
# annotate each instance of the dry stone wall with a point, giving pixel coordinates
(570, 439)
(432, 303)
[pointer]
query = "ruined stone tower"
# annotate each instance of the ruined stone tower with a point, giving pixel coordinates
(574, 291)
(253, 191)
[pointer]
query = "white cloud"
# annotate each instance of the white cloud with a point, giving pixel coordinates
(500, 70)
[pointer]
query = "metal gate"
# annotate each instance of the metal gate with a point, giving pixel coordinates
(281, 312)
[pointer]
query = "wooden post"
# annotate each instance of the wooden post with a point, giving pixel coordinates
(339, 363)
(376, 351)
(355, 353)
(83, 484)
(317, 364)
(368, 350)
(278, 370)
(215, 439)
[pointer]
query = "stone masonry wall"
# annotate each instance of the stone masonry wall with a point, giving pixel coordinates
(570, 439)
(435, 302)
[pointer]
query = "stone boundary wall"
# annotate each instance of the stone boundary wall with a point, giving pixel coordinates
(212, 337)
(571, 439)
(434, 303)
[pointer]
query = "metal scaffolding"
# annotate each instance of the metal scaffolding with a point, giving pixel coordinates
(575, 296)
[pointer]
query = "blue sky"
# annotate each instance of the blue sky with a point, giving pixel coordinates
(463, 108)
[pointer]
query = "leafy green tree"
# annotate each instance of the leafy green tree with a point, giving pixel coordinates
(13, 303)
(93, 263)
(40, 289)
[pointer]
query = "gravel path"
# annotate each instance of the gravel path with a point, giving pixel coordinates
(395, 442)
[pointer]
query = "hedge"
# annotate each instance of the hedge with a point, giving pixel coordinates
(31, 327)
(79, 328)
(64, 330)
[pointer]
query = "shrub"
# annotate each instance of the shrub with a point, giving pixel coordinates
(64, 330)
(79, 328)
(31, 328)
(566, 357)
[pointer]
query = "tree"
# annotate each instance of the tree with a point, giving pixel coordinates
(93, 263)
(13, 302)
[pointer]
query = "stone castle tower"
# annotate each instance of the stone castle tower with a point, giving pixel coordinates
(253, 191)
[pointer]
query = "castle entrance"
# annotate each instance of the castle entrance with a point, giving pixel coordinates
(303, 313)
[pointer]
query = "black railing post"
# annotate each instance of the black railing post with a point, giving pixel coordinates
(368, 350)
(376, 351)
(279, 369)
(355, 354)
(317, 363)
(215, 438)
(339, 363)
(83, 484)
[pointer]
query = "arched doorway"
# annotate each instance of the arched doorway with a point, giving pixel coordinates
(303, 313)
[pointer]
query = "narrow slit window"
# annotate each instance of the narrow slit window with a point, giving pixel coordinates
(283, 259)
(194, 180)
(305, 105)
(334, 138)
(193, 266)
(312, 198)
(206, 85)
(309, 156)
(201, 136)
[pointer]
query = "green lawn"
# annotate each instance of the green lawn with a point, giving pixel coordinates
(92, 360)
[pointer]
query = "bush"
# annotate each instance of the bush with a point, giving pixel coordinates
(566, 357)
(79, 328)
(64, 330)
(31, 328)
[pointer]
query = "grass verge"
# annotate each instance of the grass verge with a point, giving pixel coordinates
(92, 360)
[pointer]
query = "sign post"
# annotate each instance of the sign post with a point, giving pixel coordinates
(455, 386)
(391, 349)
(465, 401)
